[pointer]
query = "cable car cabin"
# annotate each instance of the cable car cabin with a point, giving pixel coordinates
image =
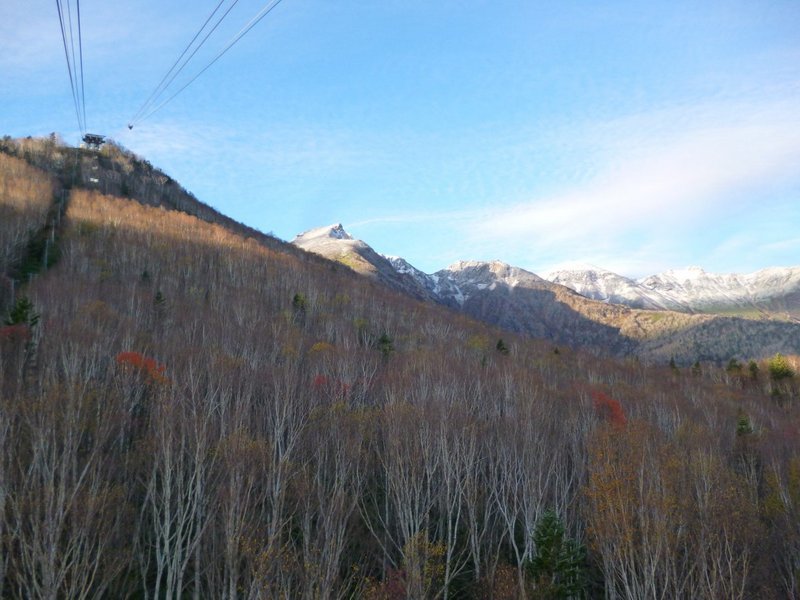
(92, 141)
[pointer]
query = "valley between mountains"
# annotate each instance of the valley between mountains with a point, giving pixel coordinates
(686, 316)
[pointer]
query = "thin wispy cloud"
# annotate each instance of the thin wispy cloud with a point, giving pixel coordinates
(783, 245)
(30, 35)
(660, 173)
(27, 43)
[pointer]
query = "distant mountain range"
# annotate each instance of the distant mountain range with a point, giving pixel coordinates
(771, 292)
(687, 315)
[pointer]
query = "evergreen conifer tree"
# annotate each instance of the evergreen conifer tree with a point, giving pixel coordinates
(22, 313)
(558, 568)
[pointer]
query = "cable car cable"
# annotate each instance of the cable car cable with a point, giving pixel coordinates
(157, 90)
(80, 52)
(162, 86)
(253, 22)
(69, 66)
(66, 55)
(75, 65)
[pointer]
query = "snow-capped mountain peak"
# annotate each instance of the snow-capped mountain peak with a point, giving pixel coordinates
(494, 269)
(335, 231)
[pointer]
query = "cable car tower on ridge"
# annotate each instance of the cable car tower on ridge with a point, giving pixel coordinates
(92, 141)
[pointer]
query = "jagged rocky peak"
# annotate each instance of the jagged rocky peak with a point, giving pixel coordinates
(336, 232)
(402, 266)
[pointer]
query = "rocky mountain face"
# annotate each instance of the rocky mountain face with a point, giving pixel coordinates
(609, 287)
(521, 301)
(334, 243)
(600, 310)
(769, 292)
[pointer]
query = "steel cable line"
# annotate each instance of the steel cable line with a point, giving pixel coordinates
(78, 74)
(69, 65)
(242, 32)
(72, 52)
(169, 76)
(80, 53)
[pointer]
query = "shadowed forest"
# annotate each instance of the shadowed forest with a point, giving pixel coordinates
(192, 410)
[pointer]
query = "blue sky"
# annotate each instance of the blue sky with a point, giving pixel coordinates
(634, 136)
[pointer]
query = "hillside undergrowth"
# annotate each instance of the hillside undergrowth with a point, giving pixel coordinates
(206, 415)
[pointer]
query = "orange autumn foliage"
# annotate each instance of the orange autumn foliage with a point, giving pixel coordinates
(136, 361)
(609, 409)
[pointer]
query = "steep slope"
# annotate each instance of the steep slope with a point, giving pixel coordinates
(521, 301)
(28, 202)
(334, 243)
(118, 172)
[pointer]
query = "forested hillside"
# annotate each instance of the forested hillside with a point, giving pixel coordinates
(188, 412)
(28, 196)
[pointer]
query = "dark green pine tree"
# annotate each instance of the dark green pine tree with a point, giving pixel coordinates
(299, 308)
(558, 569)
(159, 305)
(385, 345)
(22, 313)
(502, 348)
(743, 425)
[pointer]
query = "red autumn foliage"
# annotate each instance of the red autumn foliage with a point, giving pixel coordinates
(335, 390)
(138, 362)
(16, 332)
(609, 409)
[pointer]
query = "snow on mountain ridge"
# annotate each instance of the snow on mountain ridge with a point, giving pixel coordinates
(609, 287)
(335, 231)
(688, 289)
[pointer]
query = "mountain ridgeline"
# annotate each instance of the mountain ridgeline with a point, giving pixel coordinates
(657, 320)
(192, 409)
(769, 293)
